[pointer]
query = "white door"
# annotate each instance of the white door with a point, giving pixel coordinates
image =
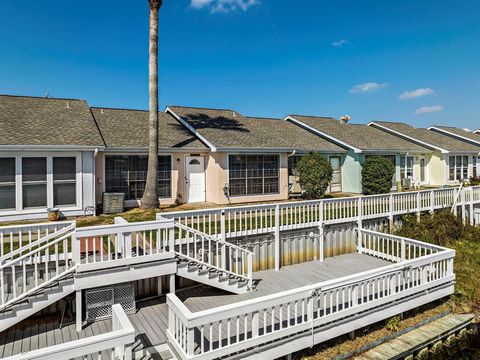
(423, 170)
(336, 184)
(195, 178)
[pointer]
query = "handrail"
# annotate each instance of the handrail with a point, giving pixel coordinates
(201, 233)
(170, 214)
(38, 242)
(23, 226)
(120, 339)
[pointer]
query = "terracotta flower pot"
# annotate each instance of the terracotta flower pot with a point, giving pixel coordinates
(53, 214)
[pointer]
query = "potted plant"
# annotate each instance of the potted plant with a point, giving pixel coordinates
(53, 214)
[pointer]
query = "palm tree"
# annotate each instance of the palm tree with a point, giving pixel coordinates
(150, 196)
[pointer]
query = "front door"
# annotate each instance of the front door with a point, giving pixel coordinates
(195, 178)
(336, 184)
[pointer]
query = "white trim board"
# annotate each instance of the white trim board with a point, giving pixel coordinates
(378, 126)
(322, 134)
(445, 132)
(212, 147)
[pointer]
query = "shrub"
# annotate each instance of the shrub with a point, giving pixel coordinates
(393, 324)
(315, 173)
(377, 173)
(475, 180)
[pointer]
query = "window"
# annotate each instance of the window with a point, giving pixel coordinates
(406, 167)
(7, 183)
(292, 165)
(64, 181)
(458, 168)
(128, 174)
(34, 182)
(253, 174)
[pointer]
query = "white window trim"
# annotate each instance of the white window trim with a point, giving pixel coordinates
(134, 202)
(262, 194)
(19, 181)
(469, 168)
(405, 168)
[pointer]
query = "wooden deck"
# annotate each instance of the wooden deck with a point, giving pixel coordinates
(151, 319)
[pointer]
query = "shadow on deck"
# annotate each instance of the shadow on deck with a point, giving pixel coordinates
(151, 319)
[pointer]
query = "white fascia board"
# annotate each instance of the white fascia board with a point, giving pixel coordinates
(324, 135)
(212, 147)
(160, 151)
(420, 142)
(50, 147)
(445, 132)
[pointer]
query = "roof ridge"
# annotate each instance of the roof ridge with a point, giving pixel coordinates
(42, 97)
(262, 117)
(199, 107)
(119, 108)
(314, 116)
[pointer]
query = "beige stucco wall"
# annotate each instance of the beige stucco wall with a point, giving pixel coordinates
(437, 169)
(217, 178)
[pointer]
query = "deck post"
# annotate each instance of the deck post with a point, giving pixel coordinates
(172, 283)
(432, 202)
(75, 248)
(250, 269)
(464, 212)
(472, 210)
(222, 234)
(255, 324)
(277, 237)
(419, 207)
(78, 310)
(190, 342)
(360, 212)
(390, 213)
(171, 239)
(321, 232)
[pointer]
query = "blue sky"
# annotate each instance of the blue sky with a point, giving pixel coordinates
(414, 61)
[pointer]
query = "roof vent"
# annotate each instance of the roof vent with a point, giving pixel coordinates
(46, 95)
(68, 105)
(467, 130)
(101, 111)
(234, 114)
(345, 118)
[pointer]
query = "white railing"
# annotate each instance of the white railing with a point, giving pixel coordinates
(393, 248)
(120, 243)
(240, 221)
(116, 344)
(211, 252)
(40, 266)
(245, 325)
(18, 239)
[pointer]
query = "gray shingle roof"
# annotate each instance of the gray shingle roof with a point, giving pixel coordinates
(430, 137)
(129, 128)
(26, 120)
(460, 133)
(362, 137)
(228, 129)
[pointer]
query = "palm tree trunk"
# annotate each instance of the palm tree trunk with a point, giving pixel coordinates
(150, 196)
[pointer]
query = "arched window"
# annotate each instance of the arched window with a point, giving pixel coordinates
(194, 162)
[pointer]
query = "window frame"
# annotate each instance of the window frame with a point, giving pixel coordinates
(406, 171)
(246, 177)
(458, 168)
(4, 184)
(127, 189)
(49, 155)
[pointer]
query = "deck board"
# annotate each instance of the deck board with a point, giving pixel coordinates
(151, 319)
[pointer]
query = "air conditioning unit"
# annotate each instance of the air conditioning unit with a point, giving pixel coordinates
(113, 203)
(406, 183)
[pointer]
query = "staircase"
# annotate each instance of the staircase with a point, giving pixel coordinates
(35, 276)
(208, 260)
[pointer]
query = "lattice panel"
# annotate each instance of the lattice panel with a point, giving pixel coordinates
(99, 301)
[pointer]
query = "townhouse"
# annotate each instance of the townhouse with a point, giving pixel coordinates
(61, 153)
(453, 160)
(249, 157)
(362, 141)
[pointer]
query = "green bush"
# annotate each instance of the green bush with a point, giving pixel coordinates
(475, 180)
(315, 173)
(377, 173)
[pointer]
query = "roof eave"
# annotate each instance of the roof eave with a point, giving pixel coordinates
(423, 143)
(460, 137)
(322, 134)
(52, 147)
(212, 147)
